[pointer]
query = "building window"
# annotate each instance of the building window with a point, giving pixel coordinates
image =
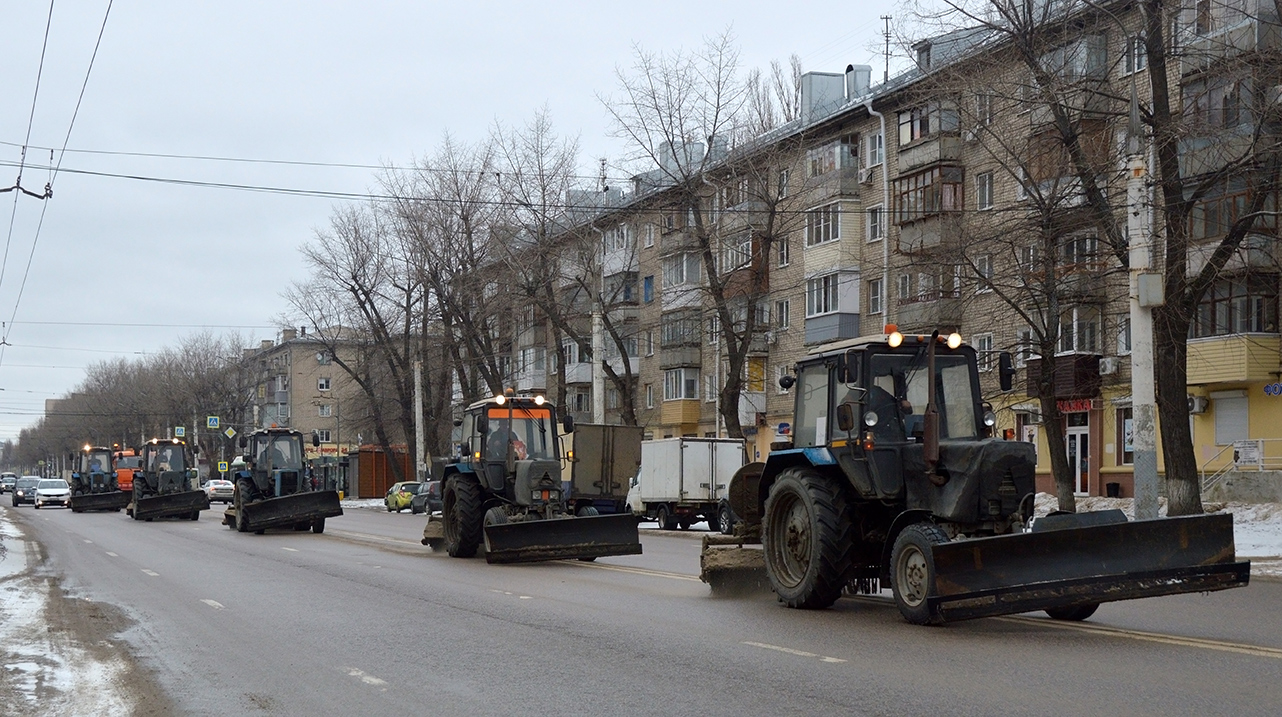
(925, 194)
(784, 252)
(905, 286)
(649, 342)
(714, 329)
(783, 308)
(1215, 213)
(325, 410)
(322, 384)
(582, 401)
(736, 252)
(1079, 253)
(1079, 330)
(822, 225)
(984, 190)
(612, 398)
(709, 389)
(983, 273)
(649, 395)
(876, 223)
(874, 296)
(925, 121)
(1238, 305)
(821, 160)
(783, 183)
(983, 110)
(1126, 436)
(1136, 55)
(324, 358)
(681, 269)
(647, 289)
(1024, 347)
(680, 328)
(1123, 335)
(1030, 264)
(984, 351)
(874, 149)
(1203, 17)
(821, 295)
(323, 435)
(649, 235)
(1231, 419)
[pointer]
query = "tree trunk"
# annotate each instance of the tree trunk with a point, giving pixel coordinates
(1183, 486)
(1053, 426)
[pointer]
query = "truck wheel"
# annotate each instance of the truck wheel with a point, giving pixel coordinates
(1075, 614)
(463, 515)
(588, 511)
(666, 522)
(912, 571)
(318, 525)
(806, 533)
(725, 521)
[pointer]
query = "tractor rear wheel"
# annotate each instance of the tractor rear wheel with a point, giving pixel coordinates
(912, 571)
(807, 537)
(242, 488)
(463, 513)
(318, 525)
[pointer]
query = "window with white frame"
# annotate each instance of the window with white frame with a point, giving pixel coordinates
(680, 328)
(874, 296)
(649, 235)
(785, 251)
(324, 357)
(876, 223)
(649, 342)
(1123, 335)
(649, 395)
(1021, 183)
(1136, 55)
(905, 286)
(927, 286)
(821, 295)
(984, 351)
(1029, 261)
(709, 388)
(680, 384)
(823, 224)
(736, 252)
(983, 110)
(783, 308)
(984, 190)
(681, 269)
(325, 410)
(714, 329)
(1079, 330)
(323, 436)
(874, 149)
(322, 383)
(784, 176)
(1024, 347)
(983, 273)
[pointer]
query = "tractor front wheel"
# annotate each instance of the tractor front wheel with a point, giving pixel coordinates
(912, 572)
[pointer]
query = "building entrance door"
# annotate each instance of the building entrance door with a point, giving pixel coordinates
(1079, 450)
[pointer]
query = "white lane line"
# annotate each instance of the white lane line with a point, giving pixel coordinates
(214, 604)
(525, 597)
(364, 677)
(112, 554)
(1218, 645)
(790, 651)
(152, 573)
(89, 542)
(638, 571)
(292, 550)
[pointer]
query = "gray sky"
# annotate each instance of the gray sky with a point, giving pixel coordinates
(353, 83)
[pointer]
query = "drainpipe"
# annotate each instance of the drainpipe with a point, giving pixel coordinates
(885, 210)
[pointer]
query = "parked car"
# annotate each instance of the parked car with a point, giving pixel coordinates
(427, 499)
(24, 490)
(52, 491)
(400, 494)
(6, 481)
(221, 490)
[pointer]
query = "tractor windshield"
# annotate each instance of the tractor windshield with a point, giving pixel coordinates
(529, 430)
(96, 462)
(284, 452)
(898, 393)
(165, 458)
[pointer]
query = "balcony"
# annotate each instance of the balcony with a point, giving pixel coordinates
(929, 232)
(680, 356)
(839, 183)
(1201, 155)
(831, 327)
(1084, 286)
(623, 312)
(532, 380)
(944, 148)
(1255, 252)
(679, 412)
(1244, 37)
(930, 310)
(750, 404)
(1076, 376)
(1233, 358)
(578, 373)
(678, 240)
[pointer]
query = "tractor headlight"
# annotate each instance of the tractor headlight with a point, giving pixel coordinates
(871, 418)
(990, 419)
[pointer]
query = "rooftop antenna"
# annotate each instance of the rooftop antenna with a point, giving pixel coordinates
(886, 33)
(604, 187)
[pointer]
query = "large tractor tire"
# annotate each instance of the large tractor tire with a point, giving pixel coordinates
(137, 496)
(464, 515)
(912, 571)
(243, 487)
(807, 538)
(318, 525)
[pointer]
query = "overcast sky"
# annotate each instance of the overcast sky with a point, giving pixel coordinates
(353, 83)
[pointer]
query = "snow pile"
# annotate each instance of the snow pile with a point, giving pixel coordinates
(364, 503)
(1257, 527)
(43, 666)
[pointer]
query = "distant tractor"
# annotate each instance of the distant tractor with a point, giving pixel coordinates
(163, 485)
(93, 482)
(126, 461)
(272, 487)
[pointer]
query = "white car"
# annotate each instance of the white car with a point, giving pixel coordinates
(219, 489)
(52, 491)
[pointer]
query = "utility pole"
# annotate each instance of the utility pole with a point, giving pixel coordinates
(420, 462)
(598, 365)
(1145, 293)
(886, 34)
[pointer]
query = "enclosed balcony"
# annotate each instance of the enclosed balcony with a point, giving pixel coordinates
(1233, 358)
(931, 310)
(1076, 376)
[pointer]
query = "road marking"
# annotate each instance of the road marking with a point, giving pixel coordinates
(292, 550)
(790, 651)
(364, 677)
(152, 573)
(524, 597)
(112, 554)
(89, 541)
(373, 538)
(1218, 645)
(214, 604)
(638, 571)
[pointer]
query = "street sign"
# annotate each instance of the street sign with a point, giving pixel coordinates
(230, 432)
(222, 466)
(180, 431)
(211, 421)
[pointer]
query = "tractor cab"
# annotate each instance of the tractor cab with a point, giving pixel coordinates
(511, 444)
(93, 472)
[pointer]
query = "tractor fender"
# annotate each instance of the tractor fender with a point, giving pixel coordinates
(903, 520)
(818, 457)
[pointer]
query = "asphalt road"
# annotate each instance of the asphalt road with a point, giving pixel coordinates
(365, 621)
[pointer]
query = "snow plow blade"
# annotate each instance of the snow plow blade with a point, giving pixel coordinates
(1083, 559)
(587, 537)
(181, 505)
(290, 510)
(111, 500)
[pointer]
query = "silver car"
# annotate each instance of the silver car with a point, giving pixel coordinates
(52, 491)
(219, 489)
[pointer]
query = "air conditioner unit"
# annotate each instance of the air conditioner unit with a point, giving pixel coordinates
(1198, 404)
(969, 135)
(1034, 418)
(772, 338)
(1108, 366)
(865, 175)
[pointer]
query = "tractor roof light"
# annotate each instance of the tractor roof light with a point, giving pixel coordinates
(539, 400)
(87, 447)
(500, 399)
(895, 339)
(954, 340)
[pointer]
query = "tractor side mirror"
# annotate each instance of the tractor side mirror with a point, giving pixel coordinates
(846, 417)
(851, 374)
(567, 423)
(787, 381)
(482, 424)
(458, 422)
(244, 441)
(315, 440)
(1006, 370)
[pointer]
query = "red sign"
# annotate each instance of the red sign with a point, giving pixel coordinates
(1075, 405)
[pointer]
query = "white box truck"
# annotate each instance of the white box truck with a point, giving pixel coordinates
(684, 480)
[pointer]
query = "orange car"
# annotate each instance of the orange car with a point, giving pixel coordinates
(127, 461)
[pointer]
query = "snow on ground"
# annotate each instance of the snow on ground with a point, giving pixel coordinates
(364, 503)
(45, 668)
(1257, 527)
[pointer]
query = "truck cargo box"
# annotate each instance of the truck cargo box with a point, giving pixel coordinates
(688, 470)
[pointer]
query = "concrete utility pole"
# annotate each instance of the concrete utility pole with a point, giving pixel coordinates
(598, 365)
(420, 461)
(1145, 293)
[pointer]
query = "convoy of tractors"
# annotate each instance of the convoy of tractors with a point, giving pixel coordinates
(892, 478)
